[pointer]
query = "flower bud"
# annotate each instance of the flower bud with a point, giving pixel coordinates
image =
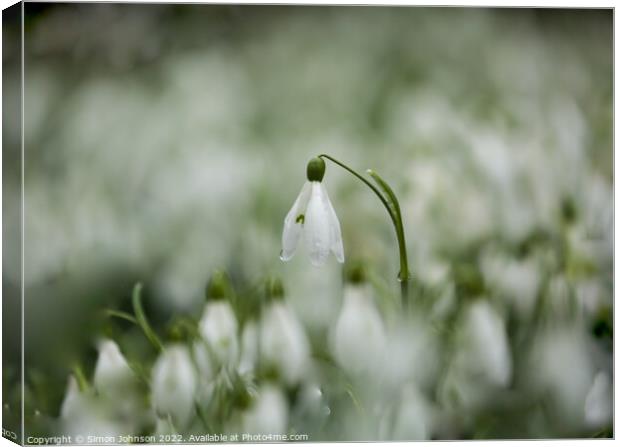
(82, 413)
(73, 403)
(174, 385)
(485, 348)
(315, 170)
(413, 418)
(218, 327)
(113, 376)
(249, 347)
(206, 372)
(358, 337)
(268, 413)
(283, 342)
(164, 427)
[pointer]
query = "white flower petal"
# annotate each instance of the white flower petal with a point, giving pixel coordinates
(112, 373)
(174, 385)
(486, 349)
(316, 227)
(73, 404)
(292, 228)
(358, 337)
(268, 413)
(334, 228)
(283, 343)
(218, 327)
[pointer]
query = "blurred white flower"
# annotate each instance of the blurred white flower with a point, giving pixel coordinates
(74, 402)
(117, 386)
(414, 416)
(82, 415)
(411, 350)
(112, 373)
(249, 348)
(205, 370)
(484, 349)
(599, 401)
(313, 213)
(516, 280)
(358, 337)
(563, 370)
(174, 385)
(310, 409)
(164, 426)
(268, 413)
(283, 342)
(311, 402)
(218, 327)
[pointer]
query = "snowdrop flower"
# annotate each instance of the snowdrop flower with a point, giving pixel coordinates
(113, 376)
(249, 348)
(414, 418)
(564, 372)
(204, 366)
(117, 386)
(74, 401)
(218, 327)
(268, 413)
(485, 351)
(164, 426)
(411, 349)
(599, 401)
(358, 337)
(81, 414)
(174, 385)
(283, 342)
(516, 280)
(313, 214)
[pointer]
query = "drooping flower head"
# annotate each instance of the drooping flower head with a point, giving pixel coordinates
(218, 325)
(313, 215)
(112, 373)
(284, 345)
(358, 336)
(174, 385)
(268, 413)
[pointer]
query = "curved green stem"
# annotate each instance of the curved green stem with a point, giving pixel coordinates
(80, 378)
(142, 320)
(370, 185)
(390, 202)
(121, 315)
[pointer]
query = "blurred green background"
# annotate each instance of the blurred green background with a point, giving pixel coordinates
(162, 142)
